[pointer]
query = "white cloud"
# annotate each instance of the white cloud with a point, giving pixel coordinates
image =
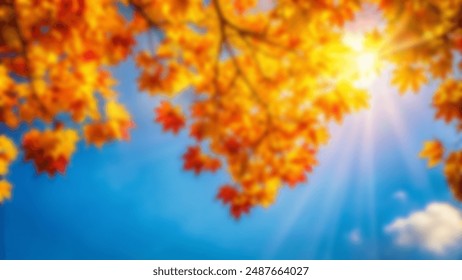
(355, 237)
(437, 229)
(400, 195)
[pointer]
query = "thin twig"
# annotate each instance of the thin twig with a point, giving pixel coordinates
(224, 43)
(140, 10)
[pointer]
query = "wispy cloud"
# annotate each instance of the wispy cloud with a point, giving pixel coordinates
(436, 229)
(355, 237)
(400, 195)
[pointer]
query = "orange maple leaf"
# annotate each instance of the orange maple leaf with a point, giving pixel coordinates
(170, 117)
(433, 151)
(409, 77)
(241, 6)
(5, 190)
(292, 179)
(49, 150)
(452, 171)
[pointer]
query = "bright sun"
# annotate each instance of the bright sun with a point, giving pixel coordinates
(365, 59)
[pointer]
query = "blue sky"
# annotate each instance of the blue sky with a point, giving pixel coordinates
(131, 200)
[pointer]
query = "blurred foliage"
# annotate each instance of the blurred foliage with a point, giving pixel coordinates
(268, 78)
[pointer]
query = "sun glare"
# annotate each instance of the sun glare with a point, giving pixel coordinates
(366, 64)
(354, 41)
(364, 59)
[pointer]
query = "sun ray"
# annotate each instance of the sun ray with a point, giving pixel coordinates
(338, 159)
(390, 45)
(367, 165)
(364, 61)
(404, 136)
(337, 194)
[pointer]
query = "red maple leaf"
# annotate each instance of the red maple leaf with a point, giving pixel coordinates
(197, 131)
(238, 209)
(170, 117)
(227, 193)
(197, 161)
(458, 43)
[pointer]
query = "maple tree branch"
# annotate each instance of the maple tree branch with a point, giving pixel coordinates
(240, 72)
(249, 153)
(255, 56)
(233, 81)
(245, 33)
(217, 58)
(457, 21)
(153, 24)
(140, 10)
(25, 55)
(224, 42)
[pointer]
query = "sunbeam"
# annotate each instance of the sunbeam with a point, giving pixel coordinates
(366, 160)
(365, 60)
(331, 192)
(404, 136)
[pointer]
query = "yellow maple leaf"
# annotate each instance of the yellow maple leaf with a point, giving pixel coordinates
(409, 77)
(433, 151)
(8, 153)
(5, 190)
(270, 192)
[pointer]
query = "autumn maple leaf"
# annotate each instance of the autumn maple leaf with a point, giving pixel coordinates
(266, 79)
(453, 173)
(409, 77)
(238, 204)
(5, 190)
(8, 153)
(170, 117)
(238, 209)
(433, 151)
(197, 161)
(458, 43)
(243, 5)
(49, 150)
(447, 101)
(227, 194)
